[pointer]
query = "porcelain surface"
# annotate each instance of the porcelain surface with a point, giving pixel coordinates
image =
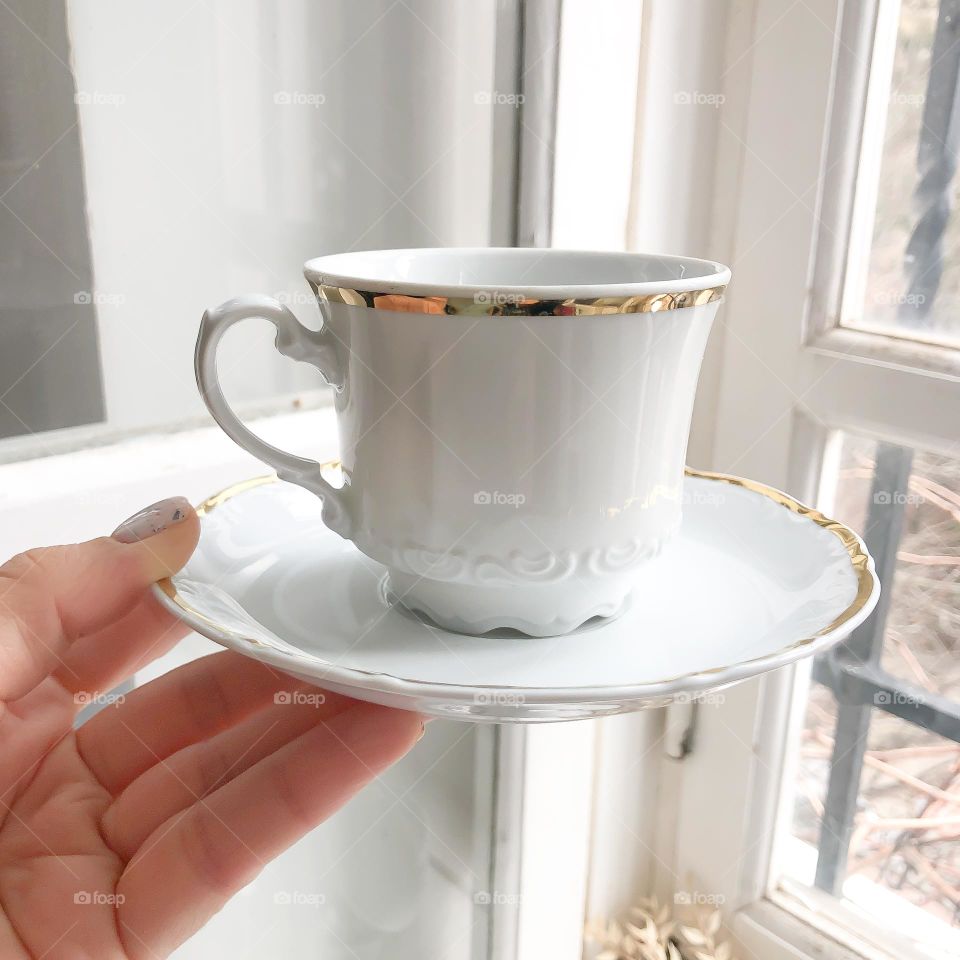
(752, 581)
(513, 423)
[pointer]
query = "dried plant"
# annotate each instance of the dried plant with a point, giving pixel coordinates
(652, 933)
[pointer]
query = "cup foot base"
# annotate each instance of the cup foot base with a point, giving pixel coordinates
(537, 610)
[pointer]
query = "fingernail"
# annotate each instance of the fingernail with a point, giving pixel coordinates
(152, 520)
(423, 730)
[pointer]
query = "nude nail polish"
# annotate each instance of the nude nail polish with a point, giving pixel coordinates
(152, 520)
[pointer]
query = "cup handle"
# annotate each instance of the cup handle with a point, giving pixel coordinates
(297, 342)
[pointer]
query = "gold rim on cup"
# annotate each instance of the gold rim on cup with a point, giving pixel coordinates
(503, 304)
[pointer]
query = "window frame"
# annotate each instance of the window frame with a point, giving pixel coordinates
(784, 227)
(850, 183)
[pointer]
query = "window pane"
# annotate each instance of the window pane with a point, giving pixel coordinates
(214, 151)
(908, 282)
(923, 629)
(903, 854)
(49, 365)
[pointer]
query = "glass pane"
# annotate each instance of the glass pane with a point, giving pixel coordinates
(207, 153)
(923, 630)
(903, 864)
(910, 283)
(49, 364)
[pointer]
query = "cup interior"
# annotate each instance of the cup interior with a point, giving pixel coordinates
(459, 271)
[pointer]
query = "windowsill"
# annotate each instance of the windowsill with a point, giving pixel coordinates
(887, 350)
(73, 496)
(767, 929)
(57, 442)
(875, 908)
(808, 924)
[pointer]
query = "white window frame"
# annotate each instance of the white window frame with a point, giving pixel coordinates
(789, 378)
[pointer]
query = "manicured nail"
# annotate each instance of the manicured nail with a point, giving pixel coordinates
(152, 520)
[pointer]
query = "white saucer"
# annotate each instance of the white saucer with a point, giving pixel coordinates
(754, 581)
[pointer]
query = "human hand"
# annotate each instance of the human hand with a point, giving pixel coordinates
(122, 838)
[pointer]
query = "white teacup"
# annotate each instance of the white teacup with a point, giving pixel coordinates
(513, 422)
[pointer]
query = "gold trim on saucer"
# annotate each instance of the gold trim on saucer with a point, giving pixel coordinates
(224, 495)
(501, 304)
(859, 559)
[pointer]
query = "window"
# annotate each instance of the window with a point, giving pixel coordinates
(835, 382)
(150, 174)
(903, 276)
(875, 805)
(217, 150)
(49, 365)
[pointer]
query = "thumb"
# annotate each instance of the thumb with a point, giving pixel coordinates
(52, 596)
